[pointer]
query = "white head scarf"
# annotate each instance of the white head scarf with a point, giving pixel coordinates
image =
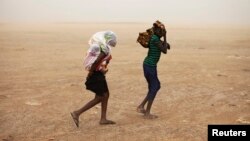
(103, 38)
(100, 41)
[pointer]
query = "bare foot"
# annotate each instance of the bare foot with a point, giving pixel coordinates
(104, 122)
(150, 116)
(75, 118)
(141, 110)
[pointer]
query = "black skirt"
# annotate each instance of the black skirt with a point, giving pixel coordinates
(97, 83)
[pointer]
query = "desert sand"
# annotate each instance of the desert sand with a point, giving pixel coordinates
(205, 79)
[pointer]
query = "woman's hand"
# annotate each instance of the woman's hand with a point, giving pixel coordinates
(104, 70)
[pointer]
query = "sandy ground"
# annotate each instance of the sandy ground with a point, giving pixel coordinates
(205, 79)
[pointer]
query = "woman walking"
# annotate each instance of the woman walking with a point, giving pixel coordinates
(96, 61)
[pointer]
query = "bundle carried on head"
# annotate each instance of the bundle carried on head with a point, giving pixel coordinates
(159, 28)
(144, 37)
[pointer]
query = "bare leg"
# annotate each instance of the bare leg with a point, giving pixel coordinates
(140, 108)
(75, 115)
(147, 113)
(104, 110)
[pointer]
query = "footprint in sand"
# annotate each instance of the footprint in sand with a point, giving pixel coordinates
(33, 103)
(248, 101)
(3, 96)
(246, 70)
(244, 120)
(9, 138)
(235, 56)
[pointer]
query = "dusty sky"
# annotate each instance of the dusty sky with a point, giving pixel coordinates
(172, 11)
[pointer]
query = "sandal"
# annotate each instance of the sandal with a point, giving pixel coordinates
(75, 119)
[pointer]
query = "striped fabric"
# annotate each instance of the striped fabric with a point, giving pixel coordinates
(154, 53)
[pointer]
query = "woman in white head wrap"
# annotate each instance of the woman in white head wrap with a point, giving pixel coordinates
(96, 61)
(99, 42)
